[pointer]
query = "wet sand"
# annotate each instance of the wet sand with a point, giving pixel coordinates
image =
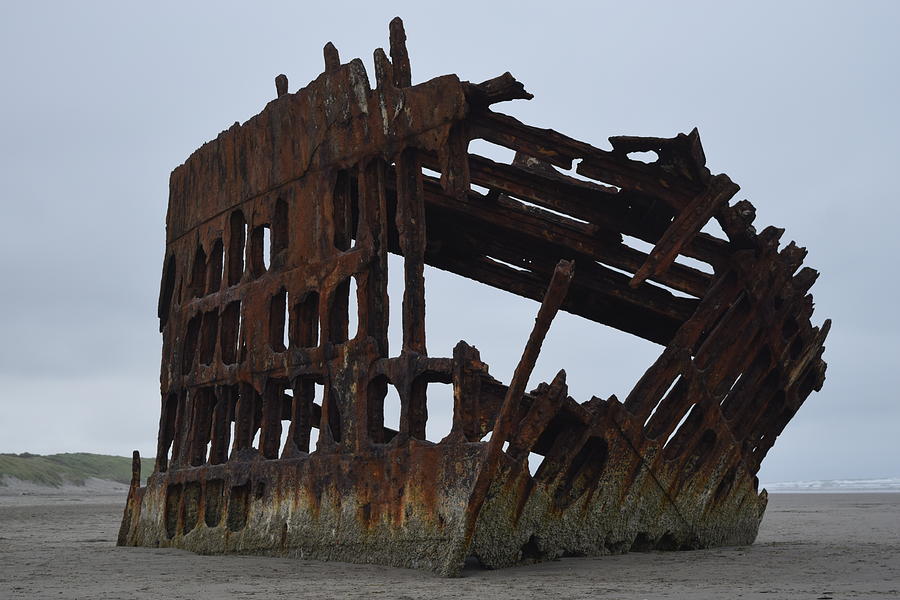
(62, 545)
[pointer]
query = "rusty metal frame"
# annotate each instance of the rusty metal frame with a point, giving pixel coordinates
(256, 336)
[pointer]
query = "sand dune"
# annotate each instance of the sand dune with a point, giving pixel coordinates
(94, 490)
(61, 544)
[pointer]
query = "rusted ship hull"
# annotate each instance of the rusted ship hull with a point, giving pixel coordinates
(258, 352)
(357, 512)
(401, 506)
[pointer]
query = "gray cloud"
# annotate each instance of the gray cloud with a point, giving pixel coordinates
(796, 102)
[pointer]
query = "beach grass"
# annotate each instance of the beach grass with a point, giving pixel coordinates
(73, 468)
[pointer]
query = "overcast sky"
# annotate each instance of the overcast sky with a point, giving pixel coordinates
(797, 102)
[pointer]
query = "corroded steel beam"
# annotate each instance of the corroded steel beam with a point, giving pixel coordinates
(274, 313)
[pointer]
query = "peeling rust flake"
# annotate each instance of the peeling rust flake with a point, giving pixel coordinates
(272, 225)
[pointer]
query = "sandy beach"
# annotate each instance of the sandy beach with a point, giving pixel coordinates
(61, 544)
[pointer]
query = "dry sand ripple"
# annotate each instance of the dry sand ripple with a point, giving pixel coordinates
(62, 545)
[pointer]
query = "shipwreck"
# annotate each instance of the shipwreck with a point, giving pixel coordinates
(271, 225)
